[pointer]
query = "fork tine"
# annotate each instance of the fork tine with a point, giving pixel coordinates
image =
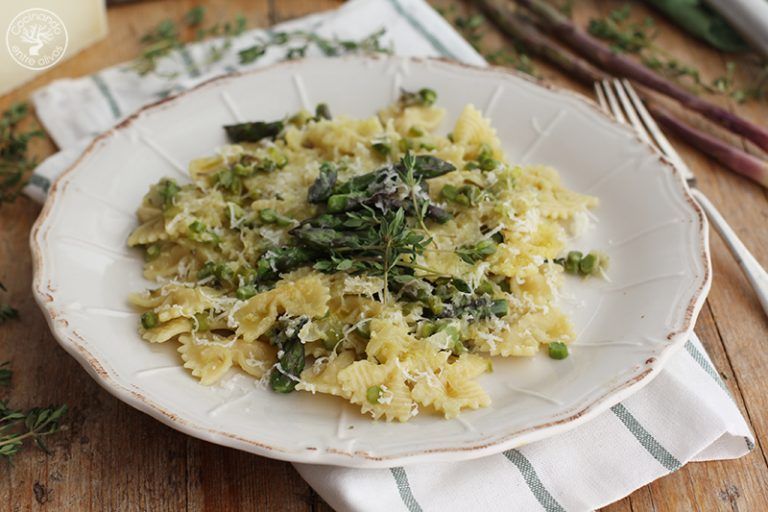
(615, 108)
(658, 136)
(601, 97)
(631, 112)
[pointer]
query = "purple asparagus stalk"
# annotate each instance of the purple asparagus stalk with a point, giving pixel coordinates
(730, 156)
(519, 28)
(623, 66)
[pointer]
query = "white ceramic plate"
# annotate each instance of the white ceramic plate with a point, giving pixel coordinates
(653, 231)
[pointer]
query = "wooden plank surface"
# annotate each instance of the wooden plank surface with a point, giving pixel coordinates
(111, 457)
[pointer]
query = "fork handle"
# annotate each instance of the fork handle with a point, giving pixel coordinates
(755, 273)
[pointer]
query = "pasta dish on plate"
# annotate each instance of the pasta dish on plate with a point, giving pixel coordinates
(371, 259)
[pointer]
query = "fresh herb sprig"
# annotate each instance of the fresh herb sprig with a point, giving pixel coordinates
(628, 35)
(18, 427)
(474, 27)
(6, 311)
(169, 36)
(298, 43)
(14, 145)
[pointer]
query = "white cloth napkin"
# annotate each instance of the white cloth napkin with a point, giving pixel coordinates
(685, 414)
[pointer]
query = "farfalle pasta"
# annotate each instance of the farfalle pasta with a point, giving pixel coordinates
(370, 259)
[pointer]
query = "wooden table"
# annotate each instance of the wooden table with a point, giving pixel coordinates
(112, 457)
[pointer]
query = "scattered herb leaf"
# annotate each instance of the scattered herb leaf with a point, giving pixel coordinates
(16, 426)
(14, 143)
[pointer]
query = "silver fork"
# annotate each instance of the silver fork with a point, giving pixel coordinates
(619, 98)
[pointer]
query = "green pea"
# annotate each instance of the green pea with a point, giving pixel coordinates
(458, 348)
(405, 145)
(382, 148)
(574, 256)
(449, 192)
(415, 131)
(572, 262)
(337, 203)
(435, 305)
(428, 96)
(373, 394)
(197, 227)
(152, 252)
(558, 350)
(472, 193)
(427, 329)
(462, 200)
(333, 336)
(149, 320)
(589, 264)
(268, 215)
(500, 307)
(240, 170)
(246, 292)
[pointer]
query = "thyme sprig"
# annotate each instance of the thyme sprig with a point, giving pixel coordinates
(299, 42)
(474, 28)
(14, 144)
(18, 427)
(6, 311)
(169, 36)
(628, 35)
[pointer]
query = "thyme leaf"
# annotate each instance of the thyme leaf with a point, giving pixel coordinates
(17, 427)
(14, 144)
(297, 43)
(169, 36)
(627, 35)
(6, 312)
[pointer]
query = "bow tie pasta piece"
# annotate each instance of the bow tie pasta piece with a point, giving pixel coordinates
(379, 389)
(307, 296)
(454, 388)
(209, 358)
(167, 330)
(323, 375)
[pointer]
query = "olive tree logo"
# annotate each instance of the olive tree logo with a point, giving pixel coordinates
(36, 38)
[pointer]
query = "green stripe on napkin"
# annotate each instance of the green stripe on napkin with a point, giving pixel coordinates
(702, 361)
(404, 488)
(540, 492)
(434, 41)
(103, 88)
(645, 438)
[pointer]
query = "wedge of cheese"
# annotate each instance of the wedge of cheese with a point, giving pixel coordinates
(33, 40)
